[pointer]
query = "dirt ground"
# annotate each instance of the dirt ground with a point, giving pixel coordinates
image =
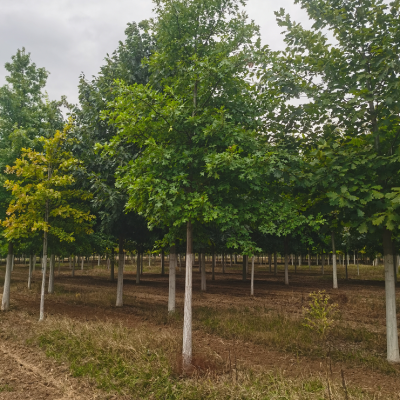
(26, 373)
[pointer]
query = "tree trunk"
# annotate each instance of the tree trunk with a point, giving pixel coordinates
(59, 265)
(213, 267)
(390, 291)
(252, 277)
(172, 280)
(270, 261)
(30, 271)
(82, 261)
(138, 268)
(202, 258)
(187, 314)
(34, 263)
(286, 264)
(334, 266)
(346, 262)
(223, 263)
(358, 266)
(51, 274)
(44, 264)
(5, 301)
(309, 261)
(99, 260)
(120, 281)
(112, 264)
(162, 263)
(275, 264)
(73, 266)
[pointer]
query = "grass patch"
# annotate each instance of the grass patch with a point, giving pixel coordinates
(6, 388)
(140, 363)
(272, 329)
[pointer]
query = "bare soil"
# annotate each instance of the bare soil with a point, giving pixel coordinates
(26, 373)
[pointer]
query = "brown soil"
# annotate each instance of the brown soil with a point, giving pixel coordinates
(90, 295)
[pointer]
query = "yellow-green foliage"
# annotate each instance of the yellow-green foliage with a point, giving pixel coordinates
(46, 178)
(319, 314)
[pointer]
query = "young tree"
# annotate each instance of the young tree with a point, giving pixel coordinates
(45, 198)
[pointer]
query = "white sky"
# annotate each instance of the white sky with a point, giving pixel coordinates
(68, 37)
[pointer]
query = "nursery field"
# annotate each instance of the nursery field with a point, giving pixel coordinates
(245, 347)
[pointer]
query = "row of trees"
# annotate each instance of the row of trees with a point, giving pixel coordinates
(189, 138)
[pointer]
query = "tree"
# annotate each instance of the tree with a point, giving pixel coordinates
(353, 87)
(45, 198)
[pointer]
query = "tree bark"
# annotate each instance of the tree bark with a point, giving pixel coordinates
(172, 280)
(5, 301)
(252, 277)
(286, 263)
(270, 261)
(51, 274)
(82, 262)
(162, 263)
(213, 267)
(346, 260)
(30, 271)
(275, 264)
(202, 256)
(44, 264)
(187, 314)
(120, 281)
(73, 266)
(390, 292)
(34, 263)
(334, 266)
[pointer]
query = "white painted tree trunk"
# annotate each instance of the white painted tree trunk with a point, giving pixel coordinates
(5, 301)
(120, 279)
(334, 267)
(99, 260)
(187, 313)
(203, 272)
(252, 277)
(50, 289)
(390, 292)
(30, 271)
(172, 280)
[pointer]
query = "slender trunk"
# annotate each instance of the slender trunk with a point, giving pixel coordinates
(223, 263)
(231, 260)
(213, 267)
(334, 266)
(275, 264)
(309, 261)
(346, 262)
(300, 260)
(12, 262)
(34, 263)
(30, 271)
(59, 265)
(286, 264)
(51, 274)
(172, 280)
(82, 261)
(73, 266)
(252, 277)
(5, 301)
(120, 279)
(203, 272)
(187, 314)
(390, 291)
(358, 266)
(270, 261)
(99, 260)
(162, 263)
(44, 264)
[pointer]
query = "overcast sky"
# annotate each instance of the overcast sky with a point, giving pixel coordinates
(68, 37)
